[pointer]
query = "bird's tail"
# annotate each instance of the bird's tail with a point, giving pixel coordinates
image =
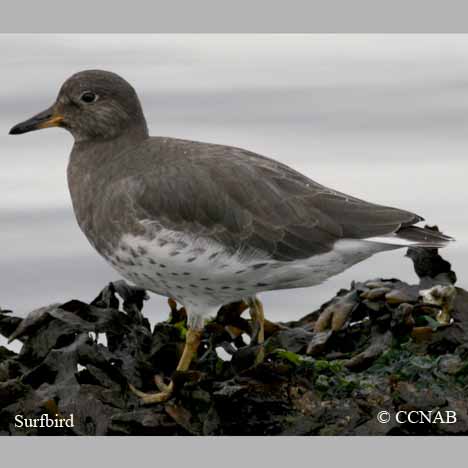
(414, 236)
(424, 237)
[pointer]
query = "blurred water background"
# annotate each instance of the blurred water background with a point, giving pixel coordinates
(382, 117)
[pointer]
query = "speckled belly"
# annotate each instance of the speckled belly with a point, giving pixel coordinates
(188, 271)
(196, 271)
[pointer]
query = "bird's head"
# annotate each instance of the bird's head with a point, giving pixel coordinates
(91, 105)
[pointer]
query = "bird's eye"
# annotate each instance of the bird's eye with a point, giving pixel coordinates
(88, 97)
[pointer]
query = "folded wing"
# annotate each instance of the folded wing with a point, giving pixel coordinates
(250, 203)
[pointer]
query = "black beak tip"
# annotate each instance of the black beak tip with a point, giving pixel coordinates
(16, 130)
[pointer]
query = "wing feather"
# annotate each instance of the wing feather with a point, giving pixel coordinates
(249, 202)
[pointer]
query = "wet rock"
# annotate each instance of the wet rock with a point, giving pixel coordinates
(337, 312)
(324, 321)
(403, 294)
(414, 398)
(183, 418)
(318, 342)
(450, 364)
(12, 390)
(364, 359)
(378, 284)
(429, 264)
(294, 340)
(341, 316)
(371, 305)
(402, 322)
(8, 323)
(32, 321)
(246, 358)
(144, 422)
(375, 294)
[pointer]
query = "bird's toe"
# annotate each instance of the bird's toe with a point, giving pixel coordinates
(151, 398)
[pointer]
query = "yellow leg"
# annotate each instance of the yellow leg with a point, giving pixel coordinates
(192, 342)
(258, 326)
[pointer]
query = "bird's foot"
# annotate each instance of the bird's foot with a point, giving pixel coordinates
(164, 394)
(192, 342)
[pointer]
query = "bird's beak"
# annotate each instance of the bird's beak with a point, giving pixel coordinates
(45, 119)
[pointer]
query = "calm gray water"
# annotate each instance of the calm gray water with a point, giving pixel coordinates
(384, 118)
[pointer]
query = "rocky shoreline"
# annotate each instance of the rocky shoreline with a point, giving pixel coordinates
(380, 345)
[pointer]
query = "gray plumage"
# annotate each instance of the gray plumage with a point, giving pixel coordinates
(235, 203)
(238, 198)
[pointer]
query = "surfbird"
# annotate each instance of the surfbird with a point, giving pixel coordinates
(206, 224)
